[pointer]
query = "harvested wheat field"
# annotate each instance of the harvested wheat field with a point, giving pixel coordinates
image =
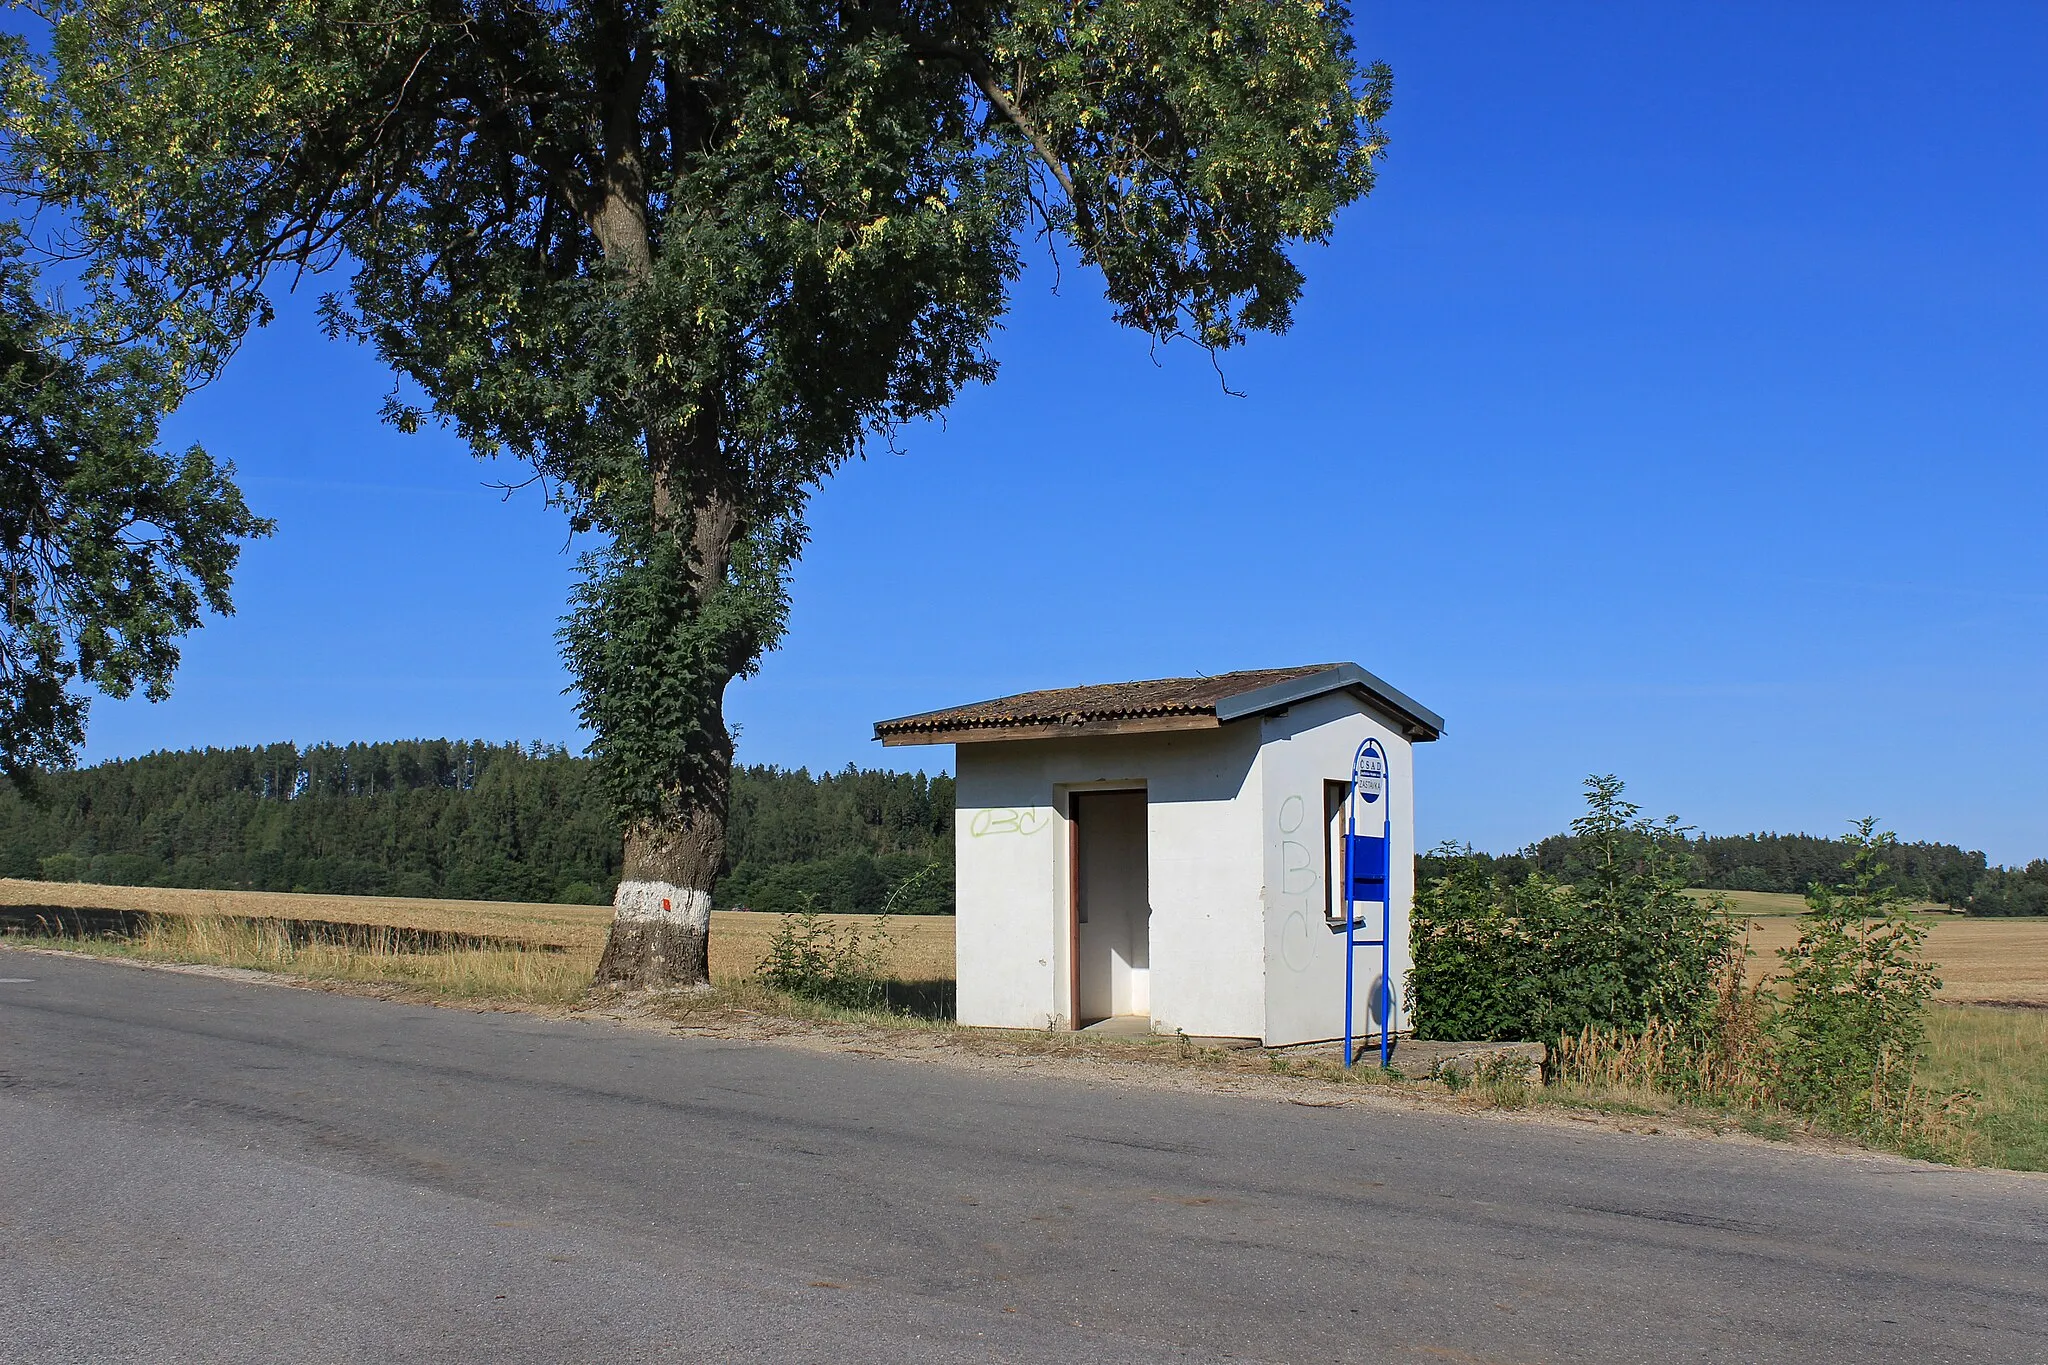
(1763, 904)
(1993, 961)
(1981, 961)
(561, 926)
(920, 948)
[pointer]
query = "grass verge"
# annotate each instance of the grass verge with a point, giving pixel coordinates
(529, 976)
(2000, 1054)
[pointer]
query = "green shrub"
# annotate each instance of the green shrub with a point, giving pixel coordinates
(121, 869)
(818, 959)
(1854, 1024)
(1497, 959)
(63, 867)
(1836, 1035)
(1472, 934)
(2005, 891)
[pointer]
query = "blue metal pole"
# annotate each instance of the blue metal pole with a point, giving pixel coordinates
(1350, 910)
(1381, 875)
(1387, 925)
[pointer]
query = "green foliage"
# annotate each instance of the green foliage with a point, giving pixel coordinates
(824, 960)
(1835, 1036)
(1472, 934)
(851, 842)
(683, 259)
(468, 820)
(1451, 856)
(1497, 957)
(110, 549)
(1944, 873)
(63, 867)
(1854, 1020)
(1198, 142)
(851, 883)
(651, 657)
(1652, 951)
(413, 818)
(2008, 891)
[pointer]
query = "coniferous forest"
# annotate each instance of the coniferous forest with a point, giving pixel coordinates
(476, 821)
(465, 820)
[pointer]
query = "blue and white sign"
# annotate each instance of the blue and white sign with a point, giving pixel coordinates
(1369, 776)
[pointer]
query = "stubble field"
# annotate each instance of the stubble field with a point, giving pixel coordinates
(1982, 961)
(920, 948)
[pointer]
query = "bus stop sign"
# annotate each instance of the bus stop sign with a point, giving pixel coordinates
(1370, 776)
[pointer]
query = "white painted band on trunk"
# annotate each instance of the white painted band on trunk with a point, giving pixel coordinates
(662, 902)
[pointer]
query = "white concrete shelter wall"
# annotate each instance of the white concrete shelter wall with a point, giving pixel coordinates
(1205, 864)
(1313, 742)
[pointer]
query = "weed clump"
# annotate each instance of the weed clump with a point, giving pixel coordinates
(818, 959)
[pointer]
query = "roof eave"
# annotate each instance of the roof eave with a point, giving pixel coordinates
(1058, 729)
(1419, 723)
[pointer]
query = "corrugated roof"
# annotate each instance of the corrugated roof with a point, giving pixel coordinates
(1155, 704)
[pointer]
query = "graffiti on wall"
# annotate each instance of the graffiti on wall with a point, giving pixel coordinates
(997, 820)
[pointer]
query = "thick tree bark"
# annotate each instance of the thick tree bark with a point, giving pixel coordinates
(661, 916)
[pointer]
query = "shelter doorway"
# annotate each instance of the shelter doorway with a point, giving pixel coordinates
(1112, 929)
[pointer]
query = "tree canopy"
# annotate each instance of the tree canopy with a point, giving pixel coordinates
(684, 258)
(110, 549)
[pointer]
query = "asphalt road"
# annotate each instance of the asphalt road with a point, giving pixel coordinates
(202, 1170)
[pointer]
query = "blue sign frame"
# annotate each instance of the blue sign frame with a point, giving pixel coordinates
(1368, 877)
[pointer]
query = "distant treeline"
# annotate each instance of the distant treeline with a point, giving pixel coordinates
(853, 842)
(466, 820)
(1942, 873)
(476, 821)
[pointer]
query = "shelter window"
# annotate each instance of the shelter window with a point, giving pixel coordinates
(1334, 795)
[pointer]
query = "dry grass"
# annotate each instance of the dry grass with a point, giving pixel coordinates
(567, 926)
(548, 977)
(921, 947)
(2001, 1055)
(1980, 960)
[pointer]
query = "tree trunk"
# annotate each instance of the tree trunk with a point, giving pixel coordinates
(661, 914)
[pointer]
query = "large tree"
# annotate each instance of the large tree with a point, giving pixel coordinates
(685, 259)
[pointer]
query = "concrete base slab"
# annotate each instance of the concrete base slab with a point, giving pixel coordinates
(1140, 1026)
(1121, 1026)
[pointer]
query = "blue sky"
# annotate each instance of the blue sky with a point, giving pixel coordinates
(1676, 407)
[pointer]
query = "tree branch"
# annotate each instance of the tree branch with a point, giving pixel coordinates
(984, 78)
